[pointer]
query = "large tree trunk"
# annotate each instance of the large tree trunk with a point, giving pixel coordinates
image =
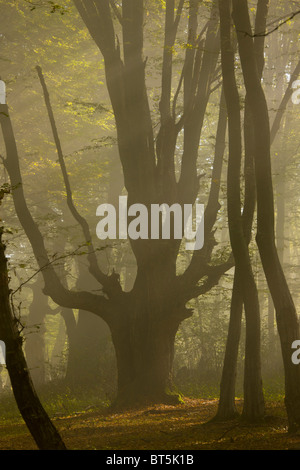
(144, 336)
(35, 417)
(145, 350)
(285, 309)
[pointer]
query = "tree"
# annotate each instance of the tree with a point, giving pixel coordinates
(253, 405)
(42, 429)
(227, 402)
(244, 283)
(285, 310)
(144, 321)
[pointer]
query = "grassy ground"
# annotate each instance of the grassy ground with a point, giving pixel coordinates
(181, 427)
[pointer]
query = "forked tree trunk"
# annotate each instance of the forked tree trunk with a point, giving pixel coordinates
(253, 395)
(226, 409)
(31, 409)
(285, 309)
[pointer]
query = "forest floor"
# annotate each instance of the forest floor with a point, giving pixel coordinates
(181, 427)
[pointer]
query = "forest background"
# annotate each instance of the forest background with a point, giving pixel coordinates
(71, 350)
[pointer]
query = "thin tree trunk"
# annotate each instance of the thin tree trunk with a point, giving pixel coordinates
(35, 333)
(43, 431)
(226, 407)
(271, 318)
(57, 352)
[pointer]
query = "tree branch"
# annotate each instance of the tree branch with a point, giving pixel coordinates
(188, 184)
(214, 274)
(282, 107)
(267, 33)
(199, 259)
(110, 284)
(116, 11)
(53, 287)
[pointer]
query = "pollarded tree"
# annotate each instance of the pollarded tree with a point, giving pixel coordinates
(144, 321)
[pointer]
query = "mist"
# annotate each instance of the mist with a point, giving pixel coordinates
(150, 224)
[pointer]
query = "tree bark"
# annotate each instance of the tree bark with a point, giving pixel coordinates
(144, 362)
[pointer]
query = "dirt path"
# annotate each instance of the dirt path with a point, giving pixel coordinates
(184, 427)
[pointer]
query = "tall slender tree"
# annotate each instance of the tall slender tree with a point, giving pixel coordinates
(253, 394)
(286, 316)
(227, 408)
